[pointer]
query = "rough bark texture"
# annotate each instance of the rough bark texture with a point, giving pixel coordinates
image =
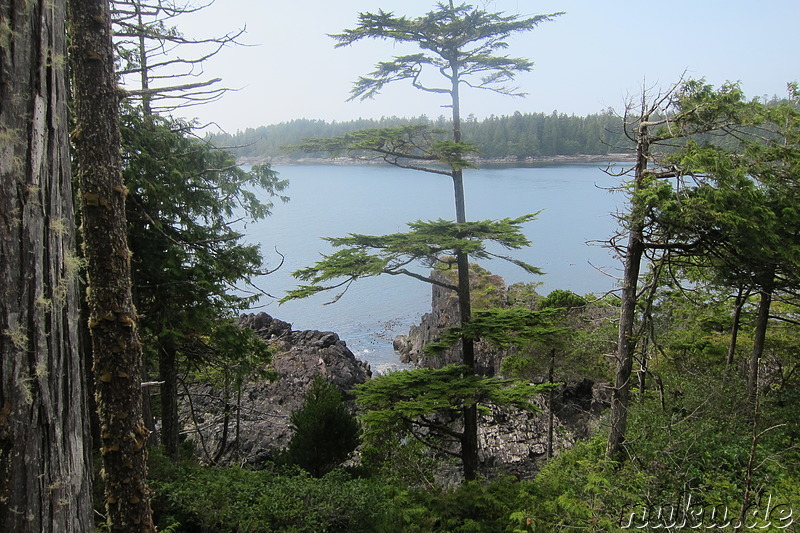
(112, 319)
(45, 481)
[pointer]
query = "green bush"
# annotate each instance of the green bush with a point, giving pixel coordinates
(201, 499)
(325, 432)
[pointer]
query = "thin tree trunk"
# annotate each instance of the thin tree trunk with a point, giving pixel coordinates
(45, 466)
(550, 398)
(115, 340)
(626, 343)
(168, 375)
(226, 420)
(469, 440)
(144, 77)
(741, 298)
(762, 321)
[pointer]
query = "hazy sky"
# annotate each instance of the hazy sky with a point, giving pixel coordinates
(598, 55)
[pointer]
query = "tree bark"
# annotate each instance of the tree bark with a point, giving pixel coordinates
(168, 374)
(626, 343)
(550, 399)
(762, 321)
(45, 466)
(741, 298)
(469, 439)
(112, 318)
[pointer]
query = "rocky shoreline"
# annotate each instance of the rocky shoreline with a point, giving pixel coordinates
(258, 419)
(251, 427)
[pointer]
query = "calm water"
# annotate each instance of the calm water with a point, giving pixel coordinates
(331, 201)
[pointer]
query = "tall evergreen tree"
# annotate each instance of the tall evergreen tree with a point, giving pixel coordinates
(116, 347)
(462, 45)
(687, 109)
(45, 466)
(184, 200)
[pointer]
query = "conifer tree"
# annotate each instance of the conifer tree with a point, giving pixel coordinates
(324, 431)
(116, 346)
(462, 46)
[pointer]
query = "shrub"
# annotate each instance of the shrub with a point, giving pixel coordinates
(325, 432)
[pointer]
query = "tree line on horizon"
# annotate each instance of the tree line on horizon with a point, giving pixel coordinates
(518, 136)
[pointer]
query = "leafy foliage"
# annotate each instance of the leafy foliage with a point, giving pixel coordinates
(192, 498)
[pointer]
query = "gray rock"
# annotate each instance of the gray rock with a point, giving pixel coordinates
(511, 441)
(258, 421)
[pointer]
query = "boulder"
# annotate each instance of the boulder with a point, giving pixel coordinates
(259, 417)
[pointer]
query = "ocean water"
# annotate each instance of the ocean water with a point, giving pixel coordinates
(577, 204)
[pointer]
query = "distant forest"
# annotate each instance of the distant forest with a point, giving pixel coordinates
(519, 136)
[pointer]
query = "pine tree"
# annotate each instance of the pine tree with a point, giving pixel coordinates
(461, 45)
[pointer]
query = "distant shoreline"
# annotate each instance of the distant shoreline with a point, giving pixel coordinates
(507, 161)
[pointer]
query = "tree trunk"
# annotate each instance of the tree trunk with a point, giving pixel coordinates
(115, 340)
(469, 439)
(626, 343)
(45, 467)
(168, 375)
(762, 321)
(741, 298)
(550, 399)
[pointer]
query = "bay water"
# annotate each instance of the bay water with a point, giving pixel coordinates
(577, 204)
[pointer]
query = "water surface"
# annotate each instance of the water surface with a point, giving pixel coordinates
(576, 207)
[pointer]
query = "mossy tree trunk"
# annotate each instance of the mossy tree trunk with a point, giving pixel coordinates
(112, 318)
(45, 467)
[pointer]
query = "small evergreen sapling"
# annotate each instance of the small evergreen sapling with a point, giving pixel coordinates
(325, 432)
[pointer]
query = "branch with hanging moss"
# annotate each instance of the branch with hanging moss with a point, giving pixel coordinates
(409, 147)
(426, 243)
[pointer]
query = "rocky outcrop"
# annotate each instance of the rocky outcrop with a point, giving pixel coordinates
(258, 417)
(511, 441)
(515, 442)
(444, 314)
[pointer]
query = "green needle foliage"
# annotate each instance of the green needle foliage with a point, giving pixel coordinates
(186, 203)
(461, 46)
(406, 146)
(430, 244)
(517, 326)
(325, 432)
(423, 401)
(462, 43)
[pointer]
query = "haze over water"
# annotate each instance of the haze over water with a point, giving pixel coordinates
(576, 206)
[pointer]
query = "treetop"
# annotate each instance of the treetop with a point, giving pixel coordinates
(461, 42)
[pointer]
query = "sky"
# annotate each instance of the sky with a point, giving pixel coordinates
(598, 55)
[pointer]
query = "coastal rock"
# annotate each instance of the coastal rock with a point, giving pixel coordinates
(511, 441)
(515, 442)
(445, 314)
(257, 424)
